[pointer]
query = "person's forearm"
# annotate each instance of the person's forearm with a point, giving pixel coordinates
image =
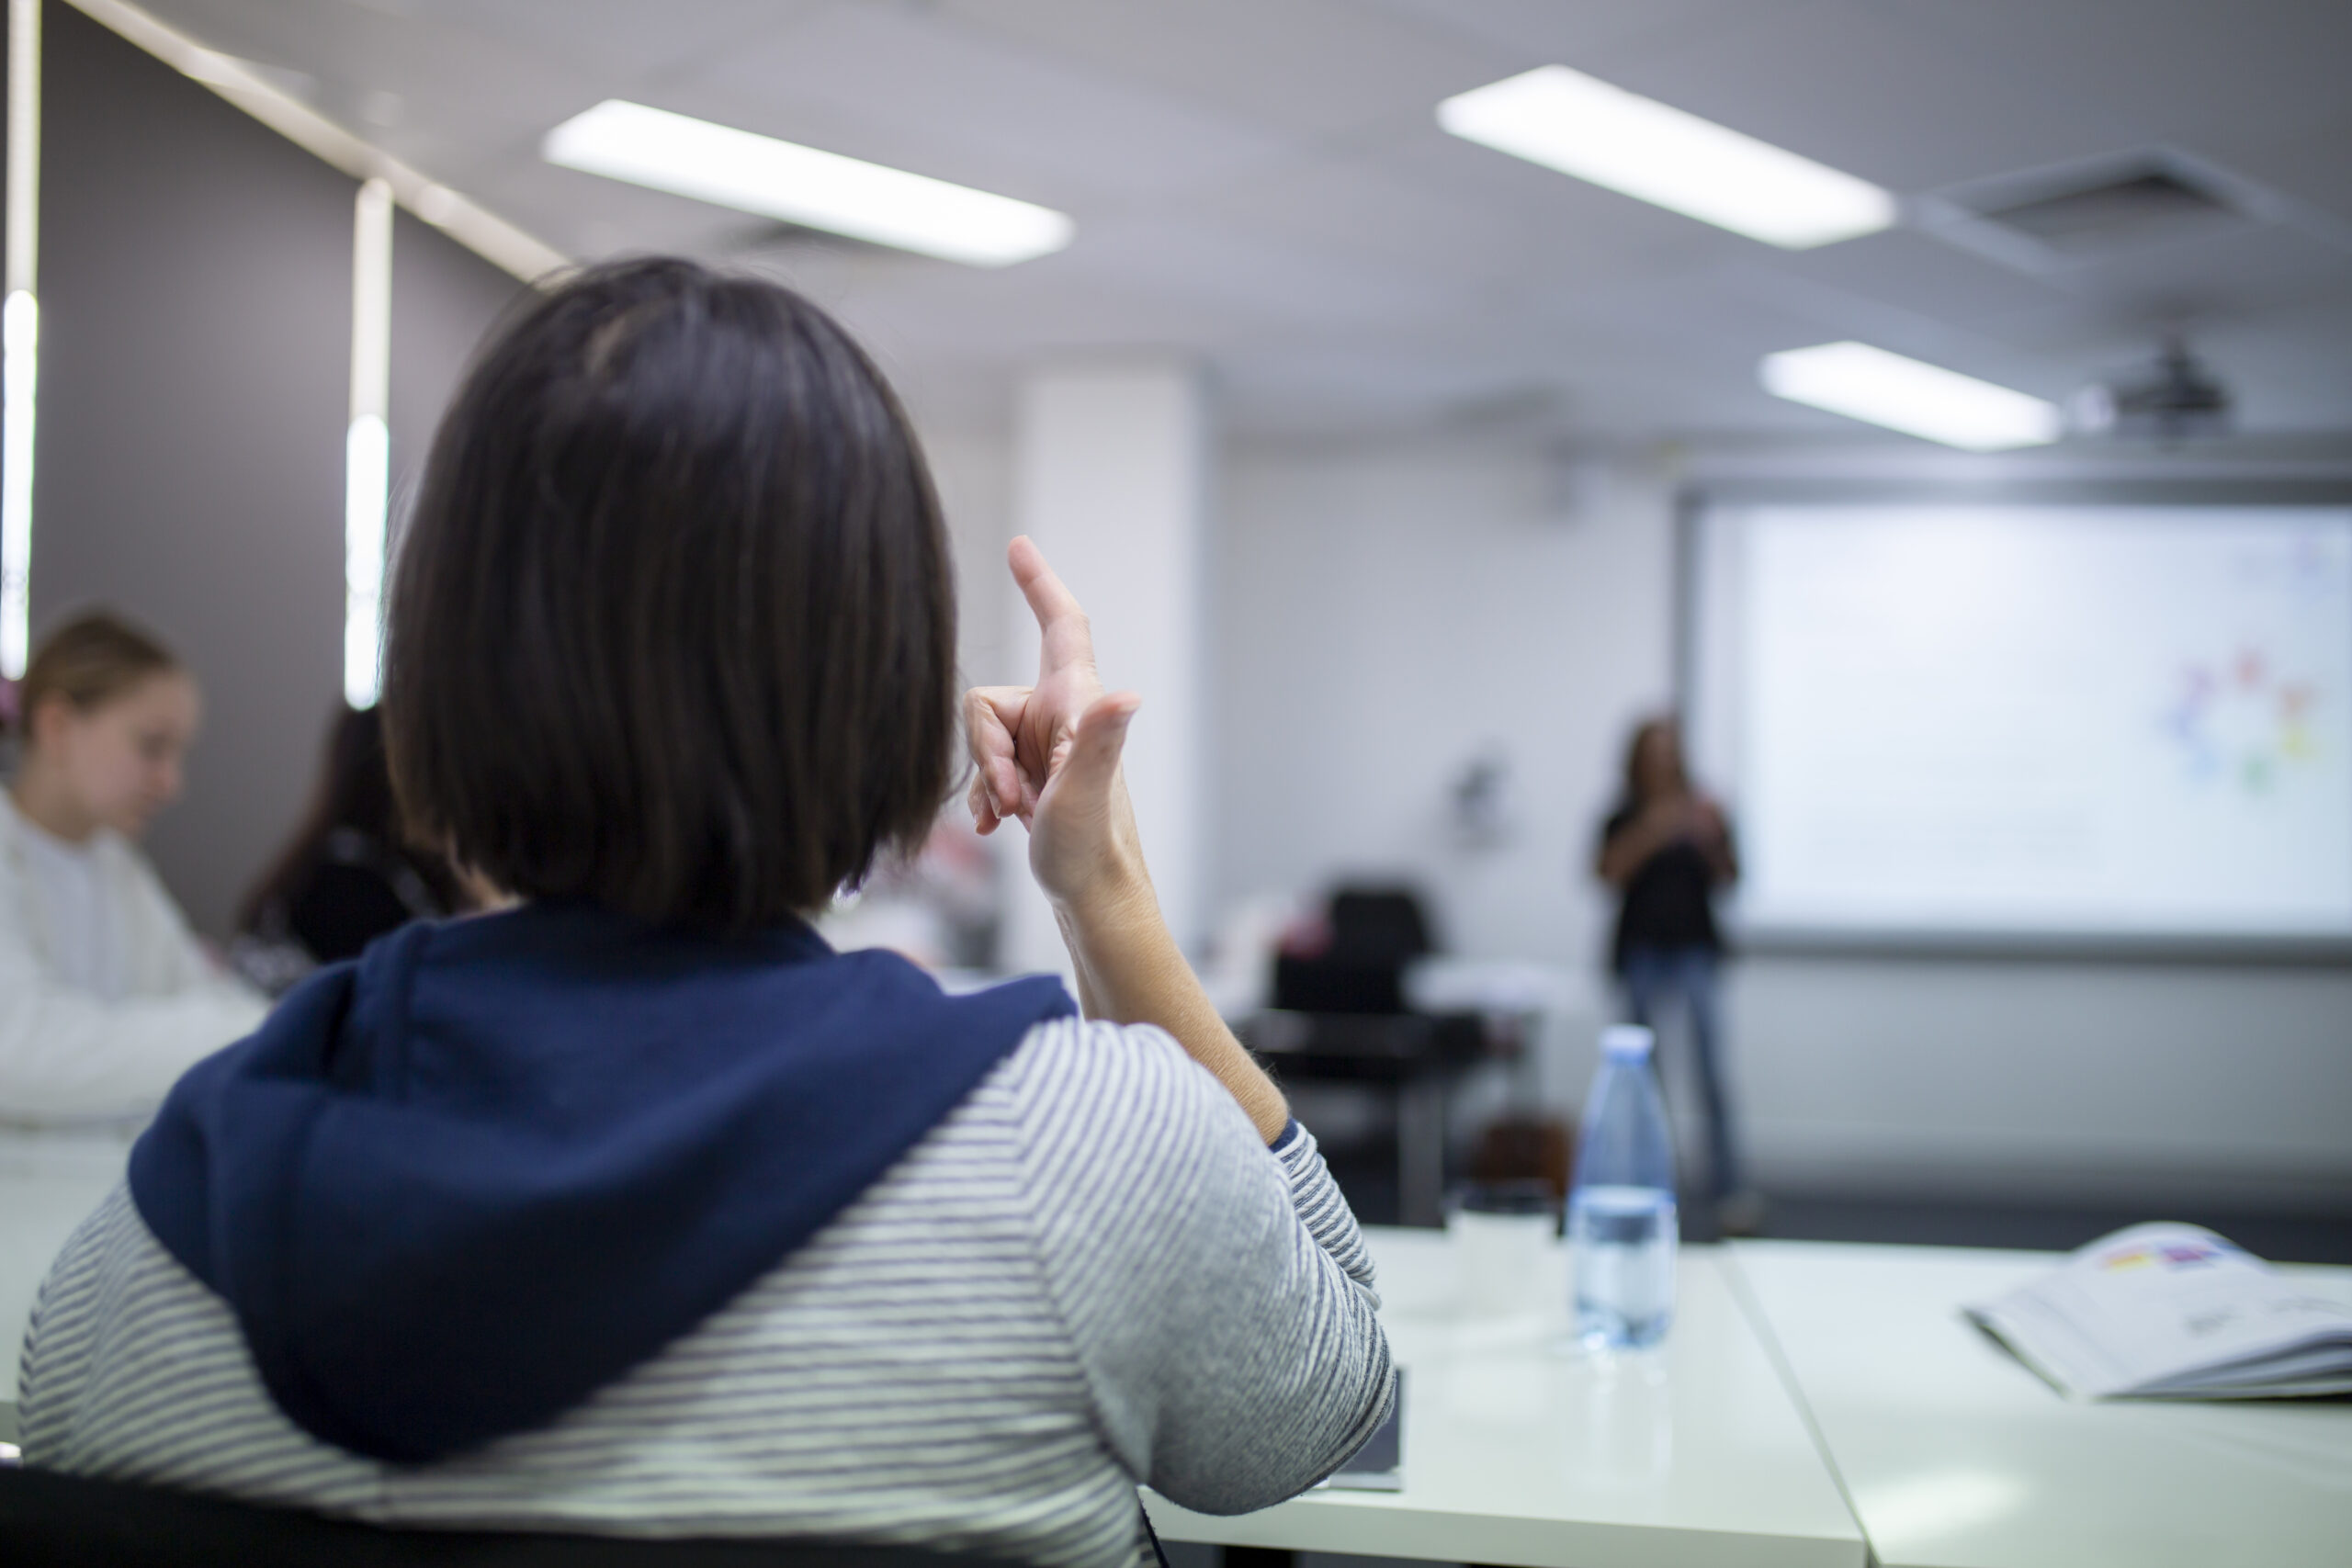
(1088, 1003)
(1131, 971)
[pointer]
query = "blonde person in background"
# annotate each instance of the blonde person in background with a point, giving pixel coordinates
(105, 996)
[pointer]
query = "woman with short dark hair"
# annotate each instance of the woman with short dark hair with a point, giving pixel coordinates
(634, 1208)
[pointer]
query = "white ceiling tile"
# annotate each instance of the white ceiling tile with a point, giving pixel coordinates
(357, 47)
(2179, 70)
(1358, 206)
(1862, 88)
(1904, 269)
(1254, 283)
(2244, 272)
(2310, 165)
(1571, 231)
(899, 87)
(621, 40)
(1588, 33)
(1324, 67)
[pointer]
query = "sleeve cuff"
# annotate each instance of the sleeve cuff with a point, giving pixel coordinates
(1291, 1133)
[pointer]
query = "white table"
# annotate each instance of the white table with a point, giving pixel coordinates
(1955, 1455)
(1513, 1453)
(50, 1181)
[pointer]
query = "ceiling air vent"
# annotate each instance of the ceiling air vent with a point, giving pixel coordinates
(2086, 213)
(2154, 204)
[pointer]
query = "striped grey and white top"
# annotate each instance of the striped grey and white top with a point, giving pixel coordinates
(1093, 1273)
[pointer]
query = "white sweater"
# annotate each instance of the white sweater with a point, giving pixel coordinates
(1091, 1274)
(67, 1055)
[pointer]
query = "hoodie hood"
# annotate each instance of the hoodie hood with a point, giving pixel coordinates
(452, 1189)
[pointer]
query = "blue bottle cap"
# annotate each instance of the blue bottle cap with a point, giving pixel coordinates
(1626, 1040)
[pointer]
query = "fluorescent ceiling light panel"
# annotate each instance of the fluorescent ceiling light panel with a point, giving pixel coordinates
(1908, 395)
(799, 184)
(1580, 125)
(19, 337)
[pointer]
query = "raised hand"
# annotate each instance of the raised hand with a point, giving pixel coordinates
(1048, 754)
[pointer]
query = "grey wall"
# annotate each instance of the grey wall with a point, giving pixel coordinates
(1391, 612)
(2221, 1083)
(196, 311)
(196, 287)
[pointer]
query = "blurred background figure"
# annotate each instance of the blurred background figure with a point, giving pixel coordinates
(105, 994)
(1667, 848)
(347, 876)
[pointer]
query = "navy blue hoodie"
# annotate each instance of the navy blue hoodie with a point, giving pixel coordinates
(452, 1189)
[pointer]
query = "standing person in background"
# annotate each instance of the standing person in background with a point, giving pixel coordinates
(346, 876)
(1666, 849)
(105, 996)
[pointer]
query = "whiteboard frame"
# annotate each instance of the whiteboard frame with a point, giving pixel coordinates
(1696, 500)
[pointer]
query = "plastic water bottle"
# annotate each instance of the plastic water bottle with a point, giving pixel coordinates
(1622, 1221)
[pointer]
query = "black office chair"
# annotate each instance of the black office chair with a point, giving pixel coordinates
(1380, 922)
(50, 1520)
(1340, 1015)
(1376, 933)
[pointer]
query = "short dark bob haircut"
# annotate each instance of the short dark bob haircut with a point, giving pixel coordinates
(673, 628)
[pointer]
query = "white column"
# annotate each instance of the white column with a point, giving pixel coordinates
(1111, 477)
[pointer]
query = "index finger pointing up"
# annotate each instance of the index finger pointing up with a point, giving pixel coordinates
(1067, 638)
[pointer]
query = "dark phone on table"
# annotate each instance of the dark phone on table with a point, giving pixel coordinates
(1379, 1465)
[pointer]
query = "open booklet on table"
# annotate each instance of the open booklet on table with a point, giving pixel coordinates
(2174, 1312)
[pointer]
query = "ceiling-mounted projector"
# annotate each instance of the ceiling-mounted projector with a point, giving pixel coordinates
(2171, 401)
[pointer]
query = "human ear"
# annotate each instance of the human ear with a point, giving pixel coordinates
(46, 721)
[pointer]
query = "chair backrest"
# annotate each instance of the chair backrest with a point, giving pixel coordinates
(1338, 984)
(1375, 932)
(50, 1520)
(1379, 925)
